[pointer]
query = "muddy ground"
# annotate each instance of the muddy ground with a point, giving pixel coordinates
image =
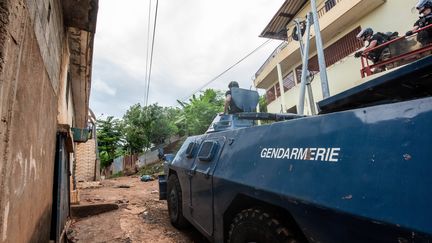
(141, 216)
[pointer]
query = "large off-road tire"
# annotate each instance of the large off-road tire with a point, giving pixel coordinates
(256, 225)
(174, 199)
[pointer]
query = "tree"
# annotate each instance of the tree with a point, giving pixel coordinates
(144, 126)
(109, 138)
(176, 116)
(200, 112)
(263, 103)
(161, 127)
(134, 129)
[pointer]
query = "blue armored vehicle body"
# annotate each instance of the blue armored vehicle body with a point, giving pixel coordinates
(360, 171)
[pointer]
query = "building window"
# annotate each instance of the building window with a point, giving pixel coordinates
(313, 69)
(270, 95)
(341, 48)
(335, 52)
(329, 4)
(288, 81)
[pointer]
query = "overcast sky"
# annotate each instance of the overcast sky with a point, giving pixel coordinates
(195, 41)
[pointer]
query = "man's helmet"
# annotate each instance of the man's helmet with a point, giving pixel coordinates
(233, 84)
(422, 5)
(364, 34)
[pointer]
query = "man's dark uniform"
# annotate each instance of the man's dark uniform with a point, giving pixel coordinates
(424, 36)
(232, 108)
(380, 38)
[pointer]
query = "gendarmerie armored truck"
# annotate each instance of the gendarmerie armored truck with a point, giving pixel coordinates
(359, 171)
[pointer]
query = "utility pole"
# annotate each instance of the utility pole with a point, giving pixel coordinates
(320, 51)
(302, 52)
(305, 65)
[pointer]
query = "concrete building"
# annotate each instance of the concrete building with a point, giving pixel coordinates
(46, 51)
(340, 22)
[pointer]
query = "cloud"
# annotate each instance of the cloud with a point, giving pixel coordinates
(195, 41)
(102, 87)
(128, 90)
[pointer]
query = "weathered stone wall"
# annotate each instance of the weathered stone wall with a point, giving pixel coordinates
(31, 43)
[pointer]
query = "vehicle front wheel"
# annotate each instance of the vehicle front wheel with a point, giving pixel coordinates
(175, 209)
(258, 226)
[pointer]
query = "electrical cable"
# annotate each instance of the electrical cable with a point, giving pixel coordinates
(228, 69)
(151, 53)
(147, 51)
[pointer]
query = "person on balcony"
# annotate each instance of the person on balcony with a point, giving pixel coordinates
(425, 18)
(229, 106)
(373, 40)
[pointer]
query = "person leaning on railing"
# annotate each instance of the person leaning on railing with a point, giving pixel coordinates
(373, 40)
(425, 18)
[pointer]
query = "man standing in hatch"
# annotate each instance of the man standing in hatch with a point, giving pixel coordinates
(229, 106)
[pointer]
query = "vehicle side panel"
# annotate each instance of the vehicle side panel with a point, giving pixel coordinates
(382, 175)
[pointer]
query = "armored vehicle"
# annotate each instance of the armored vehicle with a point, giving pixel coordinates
(359, 171)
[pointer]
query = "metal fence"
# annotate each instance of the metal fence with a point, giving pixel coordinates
(118, 165)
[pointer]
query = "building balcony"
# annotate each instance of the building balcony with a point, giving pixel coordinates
(335, 17)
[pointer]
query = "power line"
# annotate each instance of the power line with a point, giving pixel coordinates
(151, 54)
(147, 52)
(228, 69)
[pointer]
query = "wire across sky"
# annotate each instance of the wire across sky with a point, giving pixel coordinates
(150, 51)
(150, 45)
(226, 70)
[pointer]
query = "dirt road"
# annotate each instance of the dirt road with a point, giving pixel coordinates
(141, 217)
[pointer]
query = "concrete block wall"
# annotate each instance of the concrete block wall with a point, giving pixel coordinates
(86, 169)
(148, 158)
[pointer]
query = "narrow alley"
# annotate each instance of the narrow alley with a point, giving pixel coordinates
(141, 216)
(285, 121)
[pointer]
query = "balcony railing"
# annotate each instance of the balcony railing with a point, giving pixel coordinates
(272, 55)
(322, 10)
(398, 52)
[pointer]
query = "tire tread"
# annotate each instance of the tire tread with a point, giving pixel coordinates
(258, 217)
(180, 222)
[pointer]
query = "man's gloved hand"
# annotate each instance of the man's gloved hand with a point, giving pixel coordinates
(358, 54)
(408, 33)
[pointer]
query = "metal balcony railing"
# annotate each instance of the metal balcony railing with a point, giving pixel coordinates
(397, 53)
(272, 55)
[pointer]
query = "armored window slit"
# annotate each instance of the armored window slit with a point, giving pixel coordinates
(207, 151)
(190, 150)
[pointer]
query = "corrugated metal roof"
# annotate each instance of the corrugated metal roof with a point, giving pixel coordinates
(276, 29)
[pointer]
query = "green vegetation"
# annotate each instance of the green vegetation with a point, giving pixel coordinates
(153, 169)
(116, 175)
(142, 127)
(109, 135)
(199, 112)
(262, 103)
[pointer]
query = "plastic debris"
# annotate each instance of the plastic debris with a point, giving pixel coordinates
(146, 178)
